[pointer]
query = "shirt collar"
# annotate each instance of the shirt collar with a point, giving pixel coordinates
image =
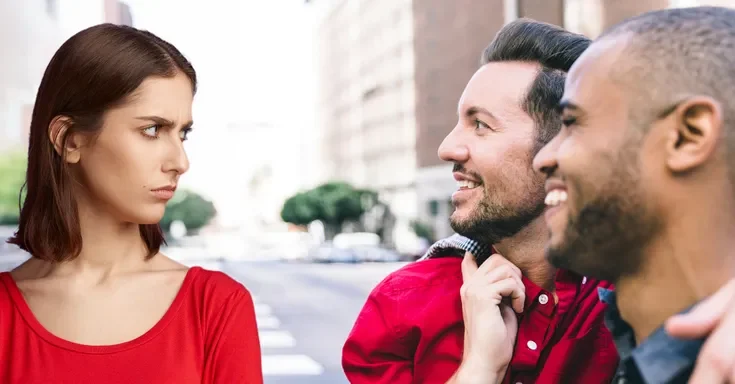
(661, 358)
(450, 245)
(456, 245)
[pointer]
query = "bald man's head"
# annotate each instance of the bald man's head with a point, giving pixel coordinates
(672, 54)
(648, 138)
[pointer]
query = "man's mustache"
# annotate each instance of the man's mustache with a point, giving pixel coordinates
(461, 169)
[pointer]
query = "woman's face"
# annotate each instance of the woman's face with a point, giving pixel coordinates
(129, 170)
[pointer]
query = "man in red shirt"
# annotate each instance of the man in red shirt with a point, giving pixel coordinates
(412, 328)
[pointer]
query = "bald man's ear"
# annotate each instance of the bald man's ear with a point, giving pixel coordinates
(696, 134)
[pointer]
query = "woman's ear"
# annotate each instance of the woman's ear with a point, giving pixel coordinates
(65, 144)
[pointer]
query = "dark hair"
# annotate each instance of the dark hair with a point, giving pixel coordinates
(552, 47)
(95, 70)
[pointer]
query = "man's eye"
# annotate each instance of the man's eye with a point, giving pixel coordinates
(480, 125)
(568, 121)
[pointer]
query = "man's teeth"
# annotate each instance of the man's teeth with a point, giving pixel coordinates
(555, 197)
(467, 184)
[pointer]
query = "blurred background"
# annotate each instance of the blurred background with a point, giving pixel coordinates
(314, 171)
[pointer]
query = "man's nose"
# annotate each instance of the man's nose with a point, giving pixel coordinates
(452, 149)
(545, 160)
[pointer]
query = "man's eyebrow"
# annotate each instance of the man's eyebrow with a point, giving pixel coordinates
(163, 121)
(474, 110)
(567, 105)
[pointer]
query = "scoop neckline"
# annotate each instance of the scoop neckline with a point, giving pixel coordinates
(25, 311)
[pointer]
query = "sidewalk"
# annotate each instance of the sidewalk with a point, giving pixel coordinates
(10, 259)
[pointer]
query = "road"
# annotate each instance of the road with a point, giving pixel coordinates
(304, 311)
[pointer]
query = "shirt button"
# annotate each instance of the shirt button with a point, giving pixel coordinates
(543, 299)
(531, 345)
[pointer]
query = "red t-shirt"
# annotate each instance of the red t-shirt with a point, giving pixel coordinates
(411, 331)
(208, 335)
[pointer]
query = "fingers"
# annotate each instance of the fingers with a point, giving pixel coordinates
(494, 270)
(510, 287)
(701, 320)
(469, 266)
(495, 261)
(716, 360)
(491, 290)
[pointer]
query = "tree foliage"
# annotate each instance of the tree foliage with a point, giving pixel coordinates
(333, 203)
(12, 177)
(192, 209)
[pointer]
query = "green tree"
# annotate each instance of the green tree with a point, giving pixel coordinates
(300, 209)
(192, 209)
(12, 177)
(333, 203)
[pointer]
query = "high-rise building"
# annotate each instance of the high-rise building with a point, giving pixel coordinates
(366, 98)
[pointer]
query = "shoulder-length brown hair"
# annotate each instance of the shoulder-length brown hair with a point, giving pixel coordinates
(93, 71)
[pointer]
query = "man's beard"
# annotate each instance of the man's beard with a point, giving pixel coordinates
(491, 222)
(607, 239)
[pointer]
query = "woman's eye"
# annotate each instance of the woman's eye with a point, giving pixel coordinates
(151, 131)
(184, 134)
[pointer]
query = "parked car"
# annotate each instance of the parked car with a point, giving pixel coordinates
(328, 253)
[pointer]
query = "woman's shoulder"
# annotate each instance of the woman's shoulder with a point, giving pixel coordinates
(215, 290)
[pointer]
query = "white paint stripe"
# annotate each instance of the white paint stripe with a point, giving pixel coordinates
(268, 322)
(276, 339)
(263, 309)
(290, 365)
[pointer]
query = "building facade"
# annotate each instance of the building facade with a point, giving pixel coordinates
(366, 98)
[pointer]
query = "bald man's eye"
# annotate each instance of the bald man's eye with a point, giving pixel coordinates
(479, 125)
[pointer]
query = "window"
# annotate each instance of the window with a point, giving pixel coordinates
(434, 208)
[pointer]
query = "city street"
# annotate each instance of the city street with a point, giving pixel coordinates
(304, 311)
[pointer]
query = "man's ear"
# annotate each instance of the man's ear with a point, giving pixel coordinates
(67, 145)
(695, 133)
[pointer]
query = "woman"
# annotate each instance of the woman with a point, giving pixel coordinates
(97, 302)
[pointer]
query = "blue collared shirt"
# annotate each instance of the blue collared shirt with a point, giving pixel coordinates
(660, 359)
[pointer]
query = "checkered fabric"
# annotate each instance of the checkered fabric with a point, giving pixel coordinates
(458, 243)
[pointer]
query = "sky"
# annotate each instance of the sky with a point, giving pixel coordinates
(254, 107)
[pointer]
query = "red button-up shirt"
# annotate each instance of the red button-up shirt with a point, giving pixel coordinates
(411, 331)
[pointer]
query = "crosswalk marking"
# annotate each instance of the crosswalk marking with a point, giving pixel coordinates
(287, 365)
(263, 309)
(273, 338)
(268, 322)
(276, 339)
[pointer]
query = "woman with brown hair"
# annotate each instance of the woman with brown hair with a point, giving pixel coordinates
(97, 302)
